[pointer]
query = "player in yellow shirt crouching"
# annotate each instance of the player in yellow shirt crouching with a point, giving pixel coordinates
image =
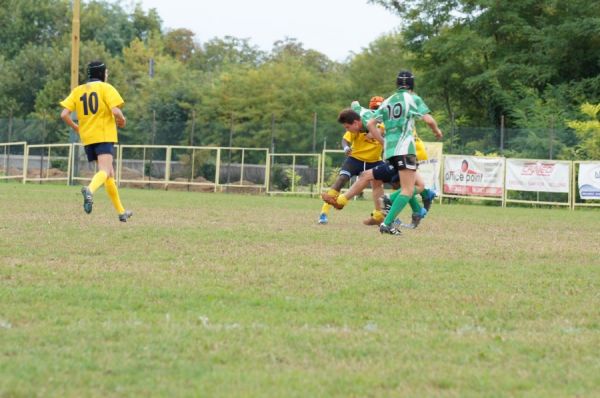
(364, 153)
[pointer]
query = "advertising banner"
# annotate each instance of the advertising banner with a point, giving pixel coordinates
(430, 169)
(537, 175)
(475, 176)
(588, 180)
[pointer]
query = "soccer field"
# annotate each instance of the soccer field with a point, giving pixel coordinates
(232, 295)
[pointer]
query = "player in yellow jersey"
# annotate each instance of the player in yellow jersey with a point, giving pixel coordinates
(387, 174)
(98, 107)
(363, 153)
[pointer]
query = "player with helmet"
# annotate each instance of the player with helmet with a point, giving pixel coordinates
(363, 153)
(98, 107)
(387, 174)
(398, 114)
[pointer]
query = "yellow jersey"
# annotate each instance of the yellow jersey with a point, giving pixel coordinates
(363, 148)
(93, 103)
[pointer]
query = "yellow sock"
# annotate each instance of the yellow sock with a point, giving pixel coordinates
(326, 207)
(342, 200)
(97, 181)
(377, 215)
(113, 194)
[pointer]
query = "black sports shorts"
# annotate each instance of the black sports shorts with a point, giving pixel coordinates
(100, 148)
(386, 173)
(404, 162)
(353, 167)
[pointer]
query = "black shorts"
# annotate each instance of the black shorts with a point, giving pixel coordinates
(100, 148)
(386, 173)
(353, 167)
(404, 162)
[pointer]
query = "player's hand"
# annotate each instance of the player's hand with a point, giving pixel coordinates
(121, 122)
(438, 134)
(348, 151)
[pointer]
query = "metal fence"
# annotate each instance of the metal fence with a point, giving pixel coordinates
(257, 170)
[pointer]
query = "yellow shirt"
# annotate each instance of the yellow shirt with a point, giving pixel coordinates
(93, 102)
(363, 148)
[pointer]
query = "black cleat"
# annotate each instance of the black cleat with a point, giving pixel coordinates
(384, 229)
(125, 215)
(88, 199)
(386, 204)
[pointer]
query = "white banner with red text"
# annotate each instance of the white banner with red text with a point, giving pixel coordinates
(473, 176)
(538, 175)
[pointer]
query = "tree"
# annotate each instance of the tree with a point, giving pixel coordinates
(373, 71)
(38, 22)
(179, 44)
(479, 55)
(588, 132)
(218, 54)
(106, 23)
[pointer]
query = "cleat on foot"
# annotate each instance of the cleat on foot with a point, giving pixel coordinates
(123, 217)
(88, 199)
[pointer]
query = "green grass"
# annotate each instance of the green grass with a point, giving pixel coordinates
(231, 295)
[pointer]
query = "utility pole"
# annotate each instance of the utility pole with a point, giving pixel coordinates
(551, 137)
(452, 132)
(314, 141)
(75, 29)
(193, 128)
(501, 134)
(272, 137)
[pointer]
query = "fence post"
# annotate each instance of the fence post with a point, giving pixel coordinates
(230, 145)
(193, 128)
(551, 137)
(501, 134)
(7, 155)
(168, 167)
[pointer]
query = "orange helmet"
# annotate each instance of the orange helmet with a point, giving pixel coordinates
(375, 102)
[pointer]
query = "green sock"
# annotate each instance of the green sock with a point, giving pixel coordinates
(414, 203)
(425, 193)
(395, 194)
(397, 207)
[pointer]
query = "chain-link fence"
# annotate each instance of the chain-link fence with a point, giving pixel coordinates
(279, 136)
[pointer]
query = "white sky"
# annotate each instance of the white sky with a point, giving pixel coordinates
(332, 27)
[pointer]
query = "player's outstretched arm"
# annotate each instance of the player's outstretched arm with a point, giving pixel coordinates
(119, 117)
(65, 115)
(374, 131)
(430, 121)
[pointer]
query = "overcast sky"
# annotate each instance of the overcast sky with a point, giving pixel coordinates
(333, 27)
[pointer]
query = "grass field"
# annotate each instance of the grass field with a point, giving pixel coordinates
(218, 295)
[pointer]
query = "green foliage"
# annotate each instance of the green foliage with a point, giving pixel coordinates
(588, 132)
(203, 165)
(332, 176)
(60, 164)
(284, 178)
(39, 22)
(480, 57)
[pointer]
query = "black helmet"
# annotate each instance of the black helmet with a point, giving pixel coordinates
(405, 80)
(96, 70)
